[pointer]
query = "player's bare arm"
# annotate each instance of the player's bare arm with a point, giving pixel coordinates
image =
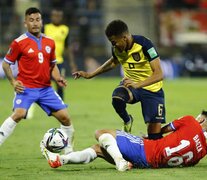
(166, 129)
(57, 77)
(18, 86)
(156, 76)
(108, 65)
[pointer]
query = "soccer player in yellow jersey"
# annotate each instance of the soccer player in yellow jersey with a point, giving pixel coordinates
(142, 80)
(60, 34)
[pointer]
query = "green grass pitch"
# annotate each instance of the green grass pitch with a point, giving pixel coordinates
(90, 109)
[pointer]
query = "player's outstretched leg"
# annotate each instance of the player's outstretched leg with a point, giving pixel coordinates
(79, 157)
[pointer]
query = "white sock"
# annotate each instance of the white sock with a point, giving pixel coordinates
(6, 129)
(108, 142)
(79, 157)
(69, 130)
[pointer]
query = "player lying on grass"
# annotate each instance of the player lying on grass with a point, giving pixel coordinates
(184, 146)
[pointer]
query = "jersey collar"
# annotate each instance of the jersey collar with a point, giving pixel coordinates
(37, 40)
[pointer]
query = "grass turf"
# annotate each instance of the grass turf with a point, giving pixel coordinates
(90, 109)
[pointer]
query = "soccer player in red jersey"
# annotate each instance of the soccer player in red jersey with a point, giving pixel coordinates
(35, 55)
(184, 146)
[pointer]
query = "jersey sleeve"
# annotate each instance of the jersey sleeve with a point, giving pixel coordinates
(147, 46)
(13, 53)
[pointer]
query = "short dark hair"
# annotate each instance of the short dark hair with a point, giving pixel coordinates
(116, 28)
(32, 10)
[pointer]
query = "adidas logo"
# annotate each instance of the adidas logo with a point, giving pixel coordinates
(30, 50)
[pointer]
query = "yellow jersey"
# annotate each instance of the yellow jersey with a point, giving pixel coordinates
(136, 61)
(59, 34)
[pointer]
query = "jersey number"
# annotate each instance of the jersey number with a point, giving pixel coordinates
(40, 57)
(160, 109)
(177, 160)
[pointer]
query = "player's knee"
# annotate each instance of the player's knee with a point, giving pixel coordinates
(121, 93)
(98, 133)
(18, 115)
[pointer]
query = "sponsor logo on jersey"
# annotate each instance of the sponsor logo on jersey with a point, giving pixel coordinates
(48, 49)
(152, 52)
(136, 56)
(30, 50)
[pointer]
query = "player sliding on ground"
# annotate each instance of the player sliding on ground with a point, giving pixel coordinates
(184, 146)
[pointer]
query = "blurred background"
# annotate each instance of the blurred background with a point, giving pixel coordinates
(178, 28)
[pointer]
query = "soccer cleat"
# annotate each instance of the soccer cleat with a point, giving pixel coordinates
(123, 165)
(56, 163)
(127, 127)
(52, 158)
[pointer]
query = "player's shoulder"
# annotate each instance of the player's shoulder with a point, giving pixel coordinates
(186, 117)
(21, 38)
(64, 26)
(142, 40)
(50, 25)
(139, 38)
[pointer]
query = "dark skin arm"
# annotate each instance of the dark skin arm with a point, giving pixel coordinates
(166, 129)
(107, 66)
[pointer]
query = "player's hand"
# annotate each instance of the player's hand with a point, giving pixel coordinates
(129, 83)
(18, 86)
(83, 74)
(61, 82)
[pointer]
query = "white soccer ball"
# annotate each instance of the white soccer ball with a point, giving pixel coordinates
(55, 140)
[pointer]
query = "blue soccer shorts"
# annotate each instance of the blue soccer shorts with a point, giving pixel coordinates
(152, 103)
(132, 149)
(46, 98)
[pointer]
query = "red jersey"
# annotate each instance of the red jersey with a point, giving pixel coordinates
(35, 58)
(185, 146)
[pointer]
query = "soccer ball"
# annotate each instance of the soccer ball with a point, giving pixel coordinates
(55, 140)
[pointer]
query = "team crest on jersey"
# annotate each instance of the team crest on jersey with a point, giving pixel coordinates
(18, 101)
(48, 49)
(136, 56)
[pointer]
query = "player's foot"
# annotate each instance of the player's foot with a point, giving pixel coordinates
(52, 158)
(128, 126)
(123, 165)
